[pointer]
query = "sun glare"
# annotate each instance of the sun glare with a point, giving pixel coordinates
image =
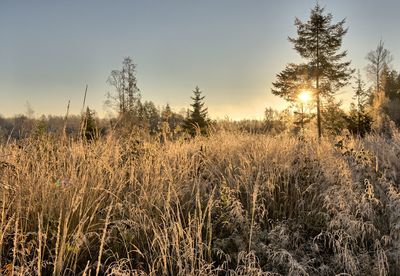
(305, 96)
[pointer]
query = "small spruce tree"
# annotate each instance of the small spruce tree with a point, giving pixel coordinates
(197, 121)
(90, 125)
(333, 117)
(359, 121)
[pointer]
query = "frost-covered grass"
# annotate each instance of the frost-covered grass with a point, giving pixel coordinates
(235, 204)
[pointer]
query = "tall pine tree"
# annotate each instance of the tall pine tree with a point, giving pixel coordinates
(197, 118)
(318, 42)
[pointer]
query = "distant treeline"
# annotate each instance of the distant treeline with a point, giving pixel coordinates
(376, 109)
(151, 120)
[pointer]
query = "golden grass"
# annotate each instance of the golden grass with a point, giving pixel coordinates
(235, 204)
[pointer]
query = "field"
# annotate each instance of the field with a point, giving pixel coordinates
(230, 203)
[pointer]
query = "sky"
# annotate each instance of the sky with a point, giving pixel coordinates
(231, 49)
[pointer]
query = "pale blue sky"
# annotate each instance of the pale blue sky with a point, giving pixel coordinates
(231, 49)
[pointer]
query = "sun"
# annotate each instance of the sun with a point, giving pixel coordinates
(305, 96)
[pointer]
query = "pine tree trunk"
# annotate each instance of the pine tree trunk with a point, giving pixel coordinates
(318, 111)
(318, 98)
(377, 80)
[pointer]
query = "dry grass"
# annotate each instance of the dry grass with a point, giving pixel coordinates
(234, 204)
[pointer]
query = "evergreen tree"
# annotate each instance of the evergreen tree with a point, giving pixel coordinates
(358, 123)
(90, 125)
(392, 92)
(197, 118)
(302, 117)
(362, 121)
(41, 127)
(390, 83)
(360, 93)
(318, 42)
(166, 116)
(388, 100)
(333, 117)
(166, 122)
(150, 116)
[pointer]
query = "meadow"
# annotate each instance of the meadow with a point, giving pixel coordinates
(231, 203)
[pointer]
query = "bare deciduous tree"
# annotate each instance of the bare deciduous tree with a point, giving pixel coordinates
(126, 95)
(378, 59)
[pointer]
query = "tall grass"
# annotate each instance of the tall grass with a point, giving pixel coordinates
(237, 204)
